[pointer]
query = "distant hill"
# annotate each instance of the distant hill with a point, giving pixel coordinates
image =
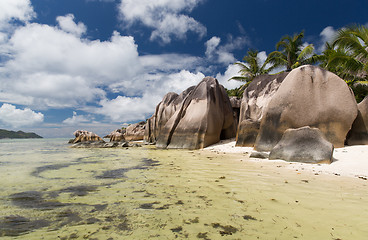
(19, 134)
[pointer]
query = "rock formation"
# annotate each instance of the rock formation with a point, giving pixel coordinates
(305, 144)
(117, 135)
(149, 136)
(85, 136)
(253, 104)
(164, 111)
(309, 96)
(135, 132)
(235, 104)
(203, 118)
(359, 131)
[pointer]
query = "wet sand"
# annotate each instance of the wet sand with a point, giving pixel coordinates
(145, 193)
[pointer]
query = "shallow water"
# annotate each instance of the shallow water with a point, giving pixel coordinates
(50, 191)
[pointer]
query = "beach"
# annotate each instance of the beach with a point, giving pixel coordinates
(52, 191)
(349, 161)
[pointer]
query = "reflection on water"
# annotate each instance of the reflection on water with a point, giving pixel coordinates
(50, 191)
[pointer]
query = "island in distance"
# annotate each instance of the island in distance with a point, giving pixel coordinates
(19, 134)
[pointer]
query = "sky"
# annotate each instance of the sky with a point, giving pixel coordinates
(99, 65)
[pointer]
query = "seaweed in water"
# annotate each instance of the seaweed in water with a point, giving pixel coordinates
(148, 205)
(80, 191)
(39, 170)
(34, 199)
(17, 225)
(120, 172)
(114, 174)
(67, 217)
(249, 217)
(177, 229)
(226, 230)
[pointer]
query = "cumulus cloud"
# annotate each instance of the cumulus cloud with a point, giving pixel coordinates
(231, 71)
(11, 116)
(167, 18)
(56, 68)
(11, 10)
(211, 46)
(327, 35)
(223, 53)
(128, 109)
(49, 67)
(77, 119)
(67, 24)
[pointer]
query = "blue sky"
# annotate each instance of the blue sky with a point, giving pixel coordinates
(99, 64)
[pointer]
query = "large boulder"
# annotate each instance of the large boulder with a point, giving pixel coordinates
(309, 96)
(86, 136)
(203, 118)
(253, 104)
(135, 132)
(117, 135)
(164, 111)
(305, 144)
(359, 131)
(149, 136)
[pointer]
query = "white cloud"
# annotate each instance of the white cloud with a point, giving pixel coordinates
(11, 10)
(11, 116)
(128, 109)
(54, 68)
(211, 45)
(223, 53)
(77, 119)
(68, 25)
(231, 71)
(165, 17)
(327, 35)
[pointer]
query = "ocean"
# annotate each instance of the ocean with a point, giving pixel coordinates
(51, 191)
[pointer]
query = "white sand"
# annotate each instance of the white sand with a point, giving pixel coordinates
(349, 161)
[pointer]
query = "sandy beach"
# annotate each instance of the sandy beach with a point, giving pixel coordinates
(350, 161)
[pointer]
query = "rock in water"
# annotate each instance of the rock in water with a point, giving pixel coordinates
(204, 117)
(309, 96)
(85, 136)
(135, 132)
(305, 144)
(359, 132)
(253, 104)
(117, 135)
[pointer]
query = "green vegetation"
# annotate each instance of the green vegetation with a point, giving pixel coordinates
(19, 134)
(346, 56)
(291, 52)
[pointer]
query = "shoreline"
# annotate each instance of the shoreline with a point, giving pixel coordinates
(349, 161)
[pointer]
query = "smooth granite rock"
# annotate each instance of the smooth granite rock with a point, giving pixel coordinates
(307, 145)
(253, 104)
(309, 96)
(359, 131)
(203, 118)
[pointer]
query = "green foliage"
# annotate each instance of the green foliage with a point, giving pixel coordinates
(291, 52)
(346, 56)
(360, 90)
(236, 92)
(252, 67)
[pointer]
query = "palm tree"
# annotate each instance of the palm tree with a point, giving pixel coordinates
(291, 52)
(251, 67)
(353, 41)
(331, 59)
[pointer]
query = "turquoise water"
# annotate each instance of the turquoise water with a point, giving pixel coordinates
(51, 191)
